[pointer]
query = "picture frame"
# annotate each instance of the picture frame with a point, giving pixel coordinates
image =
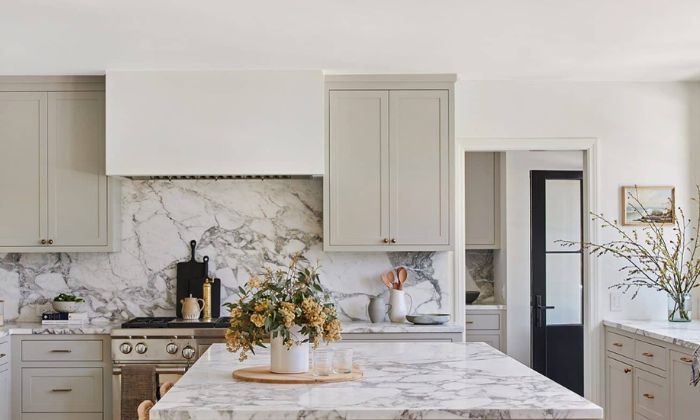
(659, 201)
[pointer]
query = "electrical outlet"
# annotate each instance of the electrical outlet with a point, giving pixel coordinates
(615, 302)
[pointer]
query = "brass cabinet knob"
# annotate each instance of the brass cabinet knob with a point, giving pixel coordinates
(628, 370)
(649, 396)
(393, 240)
(617, 344)
(43, 242)
(386, 240)
(50, 241)
(686, 359)
(647, 354)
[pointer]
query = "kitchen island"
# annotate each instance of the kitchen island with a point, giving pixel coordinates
(401, 380)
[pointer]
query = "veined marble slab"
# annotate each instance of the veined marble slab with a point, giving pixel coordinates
(684, 334)
(392, 328)
(17, 328)
(401, 381)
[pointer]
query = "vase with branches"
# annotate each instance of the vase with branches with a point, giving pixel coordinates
(653, 257)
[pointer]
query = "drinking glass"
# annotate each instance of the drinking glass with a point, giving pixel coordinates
(323, 362)
(342, 361)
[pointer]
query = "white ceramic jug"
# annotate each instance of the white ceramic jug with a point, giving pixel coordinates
(397, 305)
(191, 308)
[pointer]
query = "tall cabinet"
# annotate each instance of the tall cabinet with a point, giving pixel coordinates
(57, 197)
(389, 163)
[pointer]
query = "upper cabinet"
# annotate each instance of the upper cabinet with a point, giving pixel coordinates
(248, 122)
(388, 183)
(56, 196)
(482, 200)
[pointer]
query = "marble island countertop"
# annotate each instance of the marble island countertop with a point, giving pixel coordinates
(392, 328)
(684, 334)
(401, 381)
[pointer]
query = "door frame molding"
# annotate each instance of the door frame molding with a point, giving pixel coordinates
(593, 331)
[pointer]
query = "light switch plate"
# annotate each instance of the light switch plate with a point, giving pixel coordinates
(615, 302)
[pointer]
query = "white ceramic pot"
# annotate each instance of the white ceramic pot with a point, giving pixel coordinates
(293, 360)
(398, 307)
(68, 307)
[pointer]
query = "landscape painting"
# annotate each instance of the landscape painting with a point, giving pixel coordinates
(644, 205)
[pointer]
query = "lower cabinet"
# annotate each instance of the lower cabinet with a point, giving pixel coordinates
(685, 398)
(619, 382)
(63, 377)
(486, 325)
(5, 378)
(647, 379)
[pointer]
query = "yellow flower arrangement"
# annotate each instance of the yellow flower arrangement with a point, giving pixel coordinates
(277, 301)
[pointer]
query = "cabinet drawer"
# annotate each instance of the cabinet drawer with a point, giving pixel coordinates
(62, 390)
(493, 340)
(619, 344)
(62, 416)
(483, 322)
(4, 352)
(650, 395)
(650, 354)
(61, 350)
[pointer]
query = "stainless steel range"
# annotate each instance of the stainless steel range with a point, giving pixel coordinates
(170, 345)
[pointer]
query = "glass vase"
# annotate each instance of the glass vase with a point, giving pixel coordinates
(680, 307)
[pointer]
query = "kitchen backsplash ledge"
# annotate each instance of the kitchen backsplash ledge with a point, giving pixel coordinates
(241, 225)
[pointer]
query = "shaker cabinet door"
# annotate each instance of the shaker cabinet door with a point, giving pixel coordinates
(619, 388)
(419, 167)
(481, 200)
(23, 205)
(358, 168)
(76, 171)
(685, 398)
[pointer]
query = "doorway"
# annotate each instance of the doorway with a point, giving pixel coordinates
(556, 297)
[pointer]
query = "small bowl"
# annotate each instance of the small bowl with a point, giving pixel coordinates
(68, 307)
(428, 319)
(470, 297)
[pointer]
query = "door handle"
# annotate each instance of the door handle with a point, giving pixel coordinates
(539, 310)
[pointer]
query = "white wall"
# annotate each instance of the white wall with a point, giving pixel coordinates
(646, 133)
(518, 167)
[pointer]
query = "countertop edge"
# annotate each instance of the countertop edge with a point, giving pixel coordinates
(655, 330)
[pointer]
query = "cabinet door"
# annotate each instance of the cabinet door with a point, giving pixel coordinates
(76, 171)
(685, 398)
(23, 207)
(4, 392)
(650, 395)
(618, 385)
(419, 167)
(358, 168)
(481, 196)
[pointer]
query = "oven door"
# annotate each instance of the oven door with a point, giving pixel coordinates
(164, 373)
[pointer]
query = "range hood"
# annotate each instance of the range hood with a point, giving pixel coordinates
(236, 124)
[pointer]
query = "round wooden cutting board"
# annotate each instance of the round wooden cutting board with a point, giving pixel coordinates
(262, 374)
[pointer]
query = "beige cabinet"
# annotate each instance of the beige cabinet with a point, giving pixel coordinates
(486, 325)
(685, 398)
(4, 378)
(53, 173)
(388, 166)
(619, 388)
(482, 200)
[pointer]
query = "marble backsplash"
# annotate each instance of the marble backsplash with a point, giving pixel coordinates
(242, 225)
(480, 274)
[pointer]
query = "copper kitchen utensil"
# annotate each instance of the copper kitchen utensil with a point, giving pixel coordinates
(403, 275)
(395, 285)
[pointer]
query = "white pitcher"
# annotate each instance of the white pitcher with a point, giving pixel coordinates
(191, 309)
(397, 305)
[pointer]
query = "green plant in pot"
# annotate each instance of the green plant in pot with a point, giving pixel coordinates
(655, 256)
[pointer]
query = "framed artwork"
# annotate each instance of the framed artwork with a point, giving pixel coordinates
(642, 205)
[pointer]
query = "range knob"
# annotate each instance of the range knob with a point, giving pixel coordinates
(171, 348)
(188, 352)
(141, 348)
(125, 348)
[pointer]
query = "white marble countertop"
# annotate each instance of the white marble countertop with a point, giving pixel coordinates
(684, 334)
(17, 328)
(393, 328)
(401, 381)
(485, 307)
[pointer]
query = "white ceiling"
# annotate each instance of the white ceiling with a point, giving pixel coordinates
(478, 39)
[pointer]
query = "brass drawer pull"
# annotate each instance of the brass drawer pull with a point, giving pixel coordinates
(628, 370)
(62, 390)
(617, 344)
(61, 351)
(686, 359)
(647, 354)
(648, 396)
